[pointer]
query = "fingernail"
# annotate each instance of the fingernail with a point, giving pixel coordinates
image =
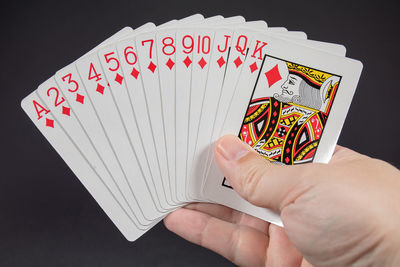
(232, 148)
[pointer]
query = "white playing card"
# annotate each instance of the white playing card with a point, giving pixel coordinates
(184, 47)
(111, 65)
(132, 76)
(167, 90)
(319, 66)
(81, 166)
(72, 100)
(200, 98)
(165, 44)
(73, 90)
(217, 68)
(183, 65)
(233, 70)
(50, 94)
(219, 56)
(148, 68)
(239, 46)
(165, 49)
(203, 43)
(94, 80)
(148, 64)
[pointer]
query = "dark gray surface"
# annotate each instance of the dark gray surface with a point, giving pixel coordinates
(47, 218)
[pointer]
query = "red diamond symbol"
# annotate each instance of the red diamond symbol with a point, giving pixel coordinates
(79, 98)
(49, 123)
(287, 150)
(221, 61)
(100, 88)
(238, 62)
(202, 62)
(135, 73)
(66, 111)
(187, 61)
(276, 104)
(287, 160)
(274, 113)
(170, 64)
(118, 78)
(253, 67)
(273, 75)
(152, 67)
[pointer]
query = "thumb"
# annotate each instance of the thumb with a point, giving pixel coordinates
(256, 179)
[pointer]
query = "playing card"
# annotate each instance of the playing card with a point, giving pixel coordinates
(166, 78)
(217, 104)
(203, 43)
(111, 65)
(49, 126)
(136, 118)
(166, 48)
(98, 90)
(70, 88)
(73, 89)
(132, 73)
(183, 65)
(289, 125)
(234, 66)
(70, 99)
(217, 71)
(148, 64)
(132, 77)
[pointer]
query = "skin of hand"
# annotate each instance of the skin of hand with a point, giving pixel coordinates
(343, 213)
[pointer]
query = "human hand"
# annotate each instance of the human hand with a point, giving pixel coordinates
(342, 213)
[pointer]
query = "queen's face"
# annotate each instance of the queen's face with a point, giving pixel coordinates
(291, 86)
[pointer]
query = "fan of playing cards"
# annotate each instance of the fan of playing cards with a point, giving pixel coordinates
(136, 117)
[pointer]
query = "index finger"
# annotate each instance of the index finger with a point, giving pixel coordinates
(240, 244)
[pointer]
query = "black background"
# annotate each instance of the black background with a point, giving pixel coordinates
(47, 218)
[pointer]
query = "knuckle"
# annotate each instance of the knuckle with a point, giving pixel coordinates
(235, 245)
(252, 176)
